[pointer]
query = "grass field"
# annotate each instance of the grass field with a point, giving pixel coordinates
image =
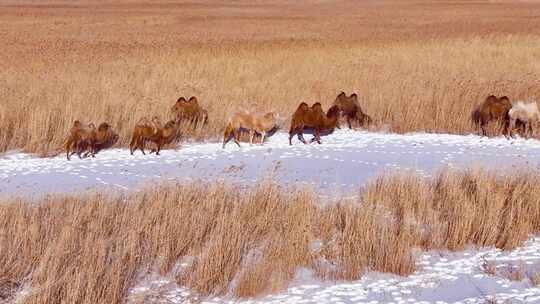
(417, 66)
(91, 248)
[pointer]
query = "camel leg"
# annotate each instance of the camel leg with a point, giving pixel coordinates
(301, 135)
(251, 135)
(225, 141)
(317, 136)
(292, 132)
(511, 126)
(141, 145)
(237, 137)
(349, 121)
(132, 147)
(263, 135)
(482, 127)
(68, 149)
(301, 138)
(291, 135)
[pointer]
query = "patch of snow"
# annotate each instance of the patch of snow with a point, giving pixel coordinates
(442, 277)
(344, 161)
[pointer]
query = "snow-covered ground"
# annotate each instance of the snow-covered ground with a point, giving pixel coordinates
(345, 160)
(442, 277)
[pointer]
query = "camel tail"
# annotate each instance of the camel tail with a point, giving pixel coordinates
(133, 142)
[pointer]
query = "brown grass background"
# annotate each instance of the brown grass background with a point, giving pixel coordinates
(416, 65)
(92, 248)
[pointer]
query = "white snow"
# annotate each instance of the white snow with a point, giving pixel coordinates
(344, 161)
(442, 277)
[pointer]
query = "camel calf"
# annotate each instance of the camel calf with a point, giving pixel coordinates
(351, 109)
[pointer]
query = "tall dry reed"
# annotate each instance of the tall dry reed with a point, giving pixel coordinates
(416, 66)
(92, 248)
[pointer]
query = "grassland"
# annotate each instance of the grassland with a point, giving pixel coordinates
(417, 66)
(91, 248)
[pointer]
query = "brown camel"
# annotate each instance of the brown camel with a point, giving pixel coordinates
(313, 118)
(350, 108)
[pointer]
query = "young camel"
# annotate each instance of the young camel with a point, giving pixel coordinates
(247, 121)
(145, 131)
(80, 139)
(527, 114)
(313, 118)
(189, 110)
(350, 108)
(105, 137)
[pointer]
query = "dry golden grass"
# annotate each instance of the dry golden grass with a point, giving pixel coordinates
(417, 66)
(90, 249)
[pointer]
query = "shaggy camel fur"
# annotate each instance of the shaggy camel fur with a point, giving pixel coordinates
(313, 118)
(527, 113)
(350, 108)
(145, 131)
(492, 109)
(80, 139)
(251, 122)
(105, 137)
(189, 110)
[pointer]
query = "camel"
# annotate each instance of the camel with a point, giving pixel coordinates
(80, 139)
(492, 109)
(527, 114)
(350, 108)
(189, 110)
(251, 122)
(314, 118)
(145, 131)
(105, 137)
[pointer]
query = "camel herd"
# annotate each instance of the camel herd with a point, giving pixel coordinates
(509, 116)
(87, 140)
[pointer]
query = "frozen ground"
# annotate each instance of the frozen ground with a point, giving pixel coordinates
(442, 277)
(345, 160)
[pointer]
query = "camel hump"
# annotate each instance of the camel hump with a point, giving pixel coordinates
(342, 94)
(354, 96)
(103, 126)
(505, 99)
(303, 106)
(317, 107)
(491, 98)
(193, 100)
(181, 99)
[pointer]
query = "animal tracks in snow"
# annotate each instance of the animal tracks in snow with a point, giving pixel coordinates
(344, 161)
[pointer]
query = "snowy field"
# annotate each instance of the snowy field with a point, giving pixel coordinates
(345, 160)
(442, 277)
